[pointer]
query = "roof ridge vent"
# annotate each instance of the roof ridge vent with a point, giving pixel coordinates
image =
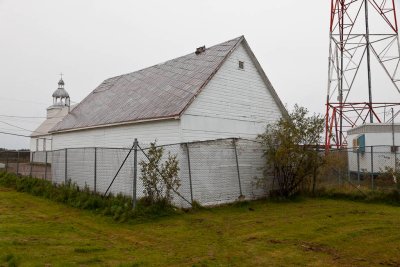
(200, 50)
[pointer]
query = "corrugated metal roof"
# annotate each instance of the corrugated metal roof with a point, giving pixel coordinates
(160, 91)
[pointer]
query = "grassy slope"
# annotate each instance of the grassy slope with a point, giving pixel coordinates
(36, 231)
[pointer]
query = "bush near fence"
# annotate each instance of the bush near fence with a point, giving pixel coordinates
(119, 207)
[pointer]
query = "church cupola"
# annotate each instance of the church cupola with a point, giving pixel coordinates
(61, 96)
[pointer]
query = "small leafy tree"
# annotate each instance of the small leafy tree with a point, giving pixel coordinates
(160, 179)
(290, 149)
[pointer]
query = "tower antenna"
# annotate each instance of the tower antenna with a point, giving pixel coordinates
(353, 43)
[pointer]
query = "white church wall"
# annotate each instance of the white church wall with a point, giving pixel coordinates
(39, 145)
(165, 132)
(235, 103)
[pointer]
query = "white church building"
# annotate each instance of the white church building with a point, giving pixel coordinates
(211, 93)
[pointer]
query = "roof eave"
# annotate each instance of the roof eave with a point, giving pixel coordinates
(267, 82)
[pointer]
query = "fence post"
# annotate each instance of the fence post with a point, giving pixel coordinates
(31, 165)
(190, 173)
(95, 170)
(17, 162)
(45, 167)
(66, 165)
(237, 166)
(7, 155)
(135, 146)
(372, 167)
(340, 169)
(358, 167)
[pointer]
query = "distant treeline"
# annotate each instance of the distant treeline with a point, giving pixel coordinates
(8, 155)
(21, 150)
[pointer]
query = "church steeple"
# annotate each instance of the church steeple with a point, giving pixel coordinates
(61, 96)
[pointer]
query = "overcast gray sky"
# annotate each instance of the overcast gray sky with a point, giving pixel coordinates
(89, 41)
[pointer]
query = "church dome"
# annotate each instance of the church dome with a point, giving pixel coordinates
(60, 93)
(60, 96)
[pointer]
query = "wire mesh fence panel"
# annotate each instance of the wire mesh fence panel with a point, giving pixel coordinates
(140, 188)
(58, 169)
(182, 197)
(361, 167)
(334, 172)
(369, 168)
(39, 157)
(17, 162)
(109, 162)
(254, 182)
(185, 164)
(39, 165)
(48, 166)
(80, 167)
(6, 160)
(210, 172)
(4, 157)
(214, 172)
(386, 170)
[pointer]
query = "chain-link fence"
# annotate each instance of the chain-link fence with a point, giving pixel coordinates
(34, 164)
(211, 172)
(366, 168)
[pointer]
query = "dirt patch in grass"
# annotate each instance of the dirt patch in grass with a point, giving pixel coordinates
(320, 248)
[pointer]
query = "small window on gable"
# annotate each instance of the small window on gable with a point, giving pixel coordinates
(241, 65)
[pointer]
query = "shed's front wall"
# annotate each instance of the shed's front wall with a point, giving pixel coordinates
(235, 103)
(381, 153)
(165, 132)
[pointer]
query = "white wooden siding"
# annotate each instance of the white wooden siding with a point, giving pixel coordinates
(41, 147)
(235, 103)
(166, 132)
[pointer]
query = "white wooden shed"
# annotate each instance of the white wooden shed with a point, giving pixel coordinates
(374, 146)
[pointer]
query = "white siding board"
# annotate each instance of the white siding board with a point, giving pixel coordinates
(42, 139)
(32, 144)
(235, 103)
(166, 132)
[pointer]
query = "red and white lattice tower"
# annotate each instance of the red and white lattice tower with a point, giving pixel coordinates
(364, 67)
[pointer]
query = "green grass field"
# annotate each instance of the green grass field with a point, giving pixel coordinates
(310, 232)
